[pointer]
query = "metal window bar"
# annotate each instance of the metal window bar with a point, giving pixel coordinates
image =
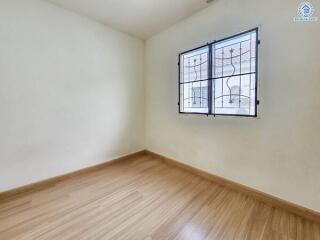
(212, 75)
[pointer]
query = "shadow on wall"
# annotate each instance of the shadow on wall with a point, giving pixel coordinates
(71, 93)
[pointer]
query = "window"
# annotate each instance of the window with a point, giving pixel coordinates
(221, 78)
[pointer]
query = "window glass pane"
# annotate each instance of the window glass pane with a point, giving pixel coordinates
(234, 75)
(194, 81)
(195, 97)
(195, 65)
(232, 99)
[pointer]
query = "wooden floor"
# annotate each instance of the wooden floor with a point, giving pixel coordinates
(146, 199)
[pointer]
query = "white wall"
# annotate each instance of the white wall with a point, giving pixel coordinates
(71, 92)
(278, 153)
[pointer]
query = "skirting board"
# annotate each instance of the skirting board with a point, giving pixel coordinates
(264, 197)
(38, 186)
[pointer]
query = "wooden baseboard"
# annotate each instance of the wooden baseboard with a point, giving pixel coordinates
(34, 187)
(264, 197)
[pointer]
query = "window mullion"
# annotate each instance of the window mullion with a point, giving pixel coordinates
(210, 80)
(213, 67)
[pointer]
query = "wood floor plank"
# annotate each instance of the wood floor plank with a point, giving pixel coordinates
(146, 199)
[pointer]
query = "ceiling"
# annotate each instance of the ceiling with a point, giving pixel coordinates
(140, 18)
